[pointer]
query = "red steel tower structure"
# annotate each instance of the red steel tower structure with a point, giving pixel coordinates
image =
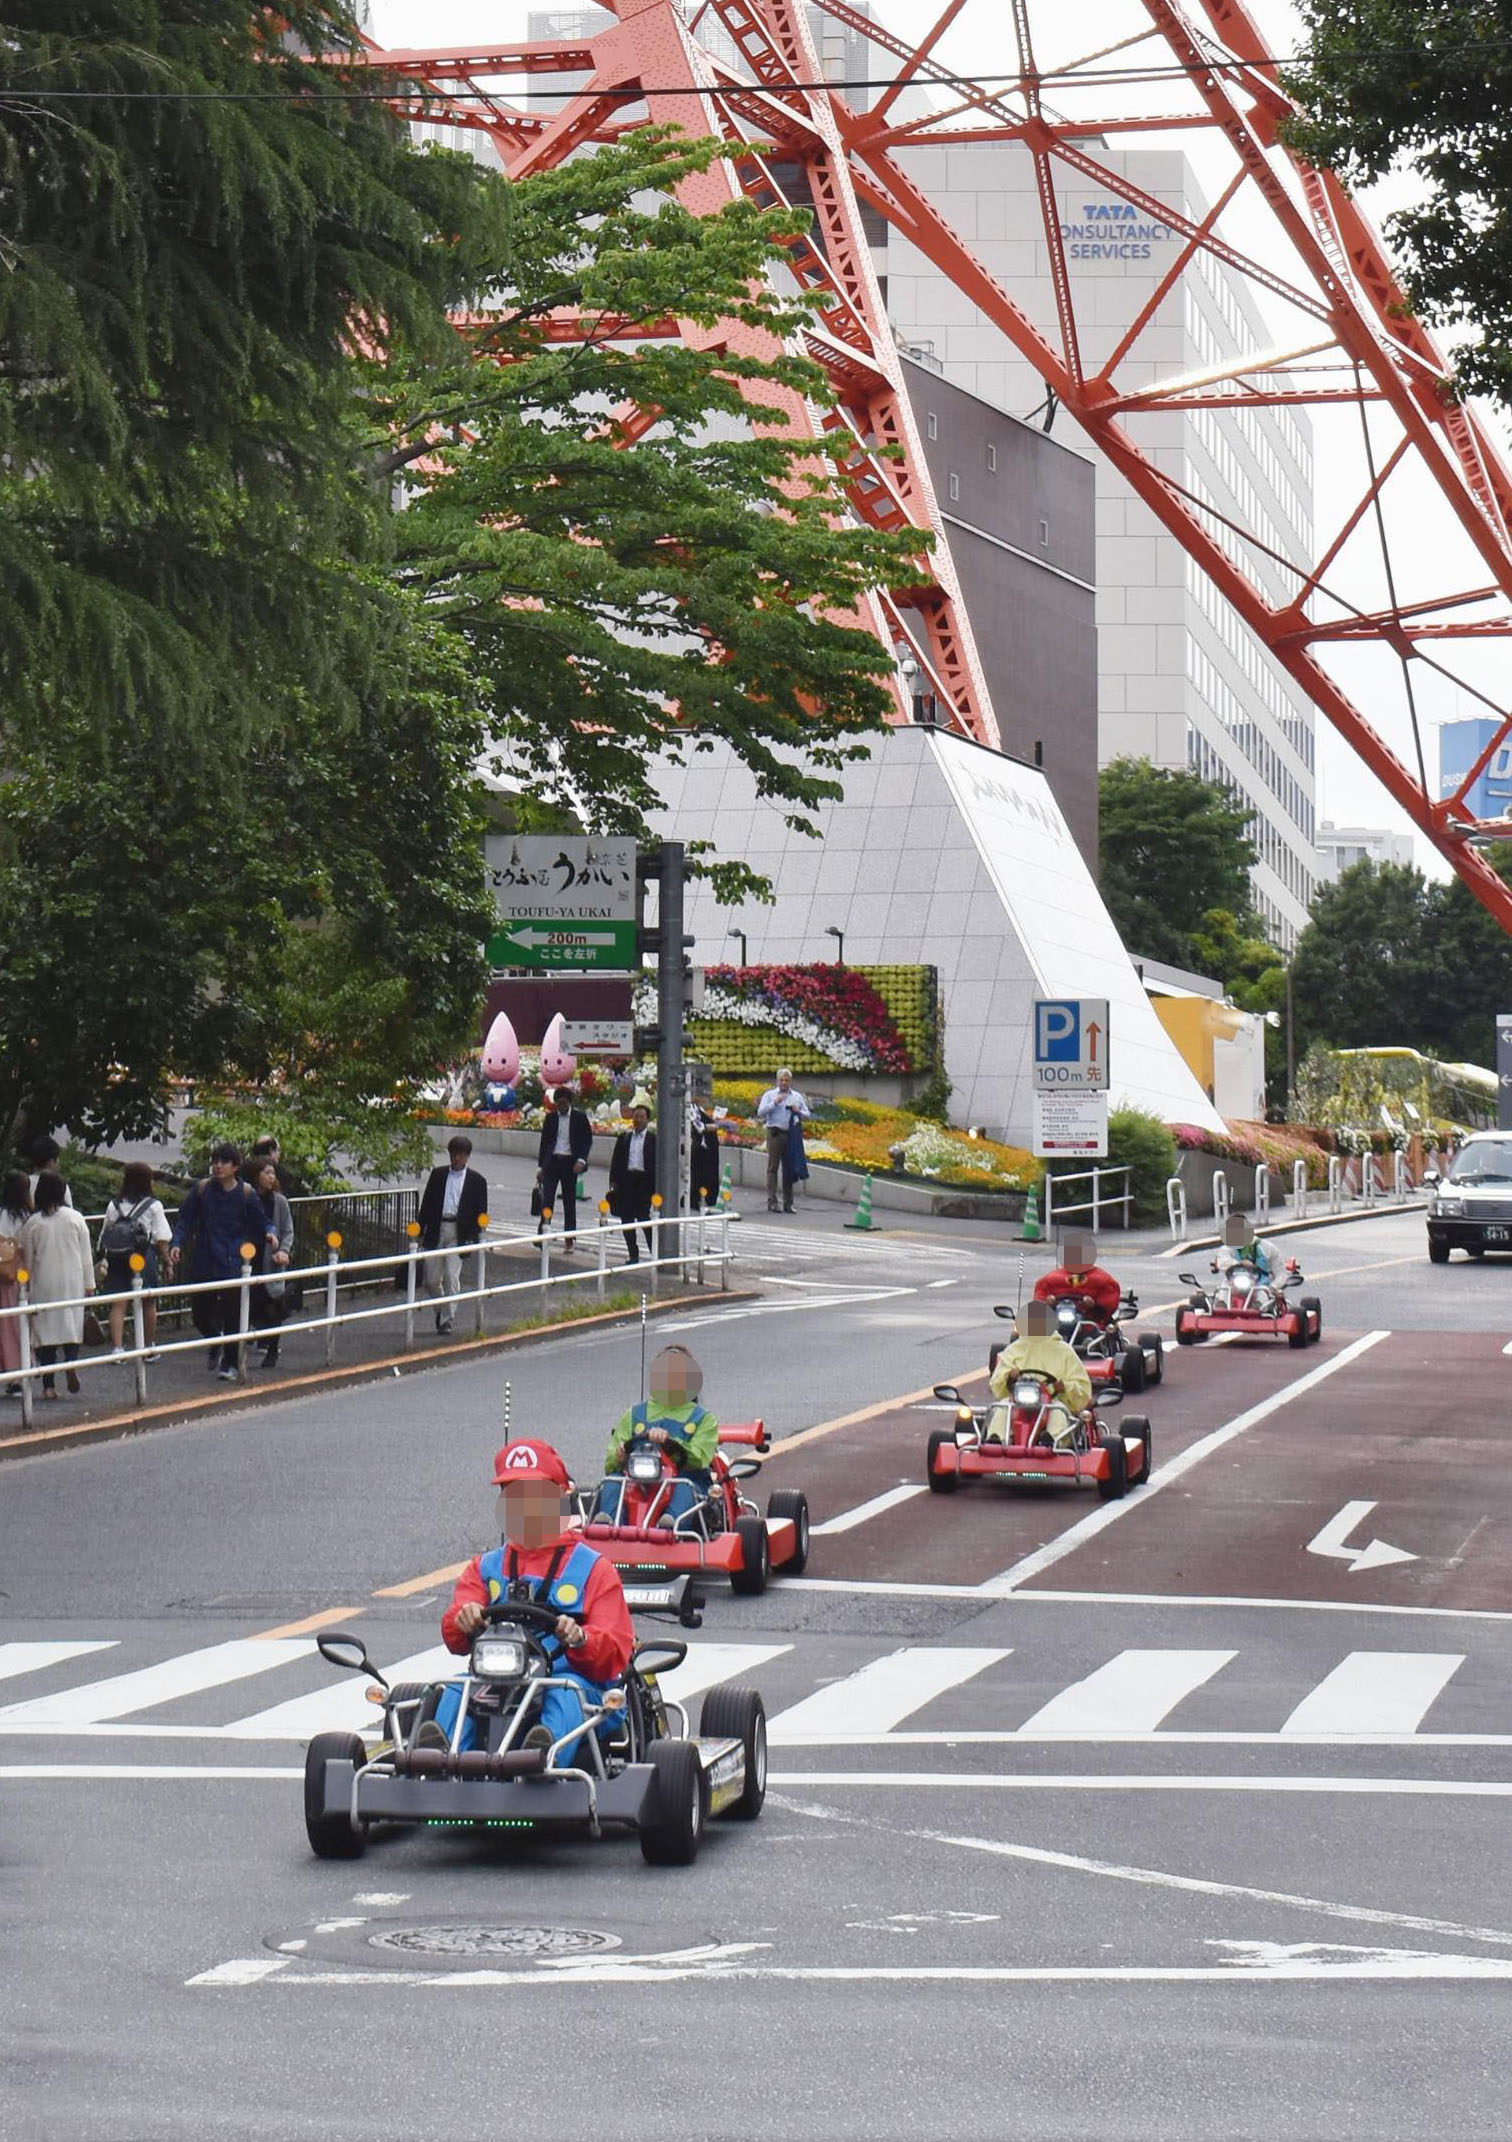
(1411, 574)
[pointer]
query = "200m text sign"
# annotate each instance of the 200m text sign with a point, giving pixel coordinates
(1071, 1044)
(1070, 1123)
(550, 877)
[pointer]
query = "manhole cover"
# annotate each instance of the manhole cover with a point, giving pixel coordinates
(493, 1940)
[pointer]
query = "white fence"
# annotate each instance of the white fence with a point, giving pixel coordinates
(704, 1243)
(1057, 1210)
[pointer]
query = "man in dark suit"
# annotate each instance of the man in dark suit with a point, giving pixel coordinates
(632, 1179)
(566, 1145)
(453, 1202)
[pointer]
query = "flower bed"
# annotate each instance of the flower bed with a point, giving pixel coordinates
(818, 1018)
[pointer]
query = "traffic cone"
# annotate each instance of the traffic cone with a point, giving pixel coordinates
(1031, 1217)
(863, 1220)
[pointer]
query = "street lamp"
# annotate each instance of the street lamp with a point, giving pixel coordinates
(832, 930)
(732, 932)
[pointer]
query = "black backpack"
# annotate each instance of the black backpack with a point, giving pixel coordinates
(127, 1232)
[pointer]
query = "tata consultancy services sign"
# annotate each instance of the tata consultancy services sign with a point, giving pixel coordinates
(1071, 1045)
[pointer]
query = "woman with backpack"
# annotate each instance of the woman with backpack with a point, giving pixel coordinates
(134, 1224)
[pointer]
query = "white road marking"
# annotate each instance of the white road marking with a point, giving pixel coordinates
(1330, 1540)
(1250, 1967)
(341, 1707)
(1206, 1601)
(175, 1772)
(701, 1319)
(708, 1664)
(31, 1658)
(1020, 1781)
(382, 1896)
(241, 1971)
(849, 1519)
(1375, 1692)
(954, 1737)
(1174, 1469)
(1130, 1694)
(186, 1675)
(884, 1692)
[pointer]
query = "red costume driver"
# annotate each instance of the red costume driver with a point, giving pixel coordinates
(1081, 1279)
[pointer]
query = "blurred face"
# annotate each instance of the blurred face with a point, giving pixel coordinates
(224, 1172)
(458, 1155)
(639, 1118)
(563, 1100)
(675, 1378)
(1037, 1320)
(531, 1512)
(784, 1081)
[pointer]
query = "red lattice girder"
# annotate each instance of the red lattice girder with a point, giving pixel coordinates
(1350, 351)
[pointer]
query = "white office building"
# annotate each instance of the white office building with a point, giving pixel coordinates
(1339, 847)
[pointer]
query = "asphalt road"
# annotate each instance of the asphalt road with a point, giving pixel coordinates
(1180, 1817)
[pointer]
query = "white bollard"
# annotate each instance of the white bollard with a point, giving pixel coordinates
(1262, 1194)
(1176, 1208)
(138, 1326)
(333, 1259)
(411, 1283)
(1335, 1183)
(1299, 1189)
(1220, 1196)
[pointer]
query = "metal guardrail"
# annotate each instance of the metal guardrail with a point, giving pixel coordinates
(697, 1240)
(1054, 1210)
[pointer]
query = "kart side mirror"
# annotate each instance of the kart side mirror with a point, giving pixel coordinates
(1189, 1279)
(688, 1603)
(1111, 1394)
(949, 1393)
(1005, 1310)
(347, 1652)
(744, 1468)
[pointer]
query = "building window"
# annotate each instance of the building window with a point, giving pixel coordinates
(992, 457)
(955, 484)
(932, 425)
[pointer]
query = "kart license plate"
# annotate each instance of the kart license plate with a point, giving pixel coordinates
(1034, 1476)
(1493, 1234)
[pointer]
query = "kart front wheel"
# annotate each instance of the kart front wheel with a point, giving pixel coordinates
(791, 1505)
(1186, 1331)
(1116, 1484)
(1131, 1369)
(1152, 1347)
(332, 1836)
(755, 1557)
(1296, 1328)
(679, 1804)
(940, 1483)
(1312, 1318)
(739, 1714)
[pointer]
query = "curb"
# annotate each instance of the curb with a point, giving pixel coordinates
(215, 1404)
(1297, 1227)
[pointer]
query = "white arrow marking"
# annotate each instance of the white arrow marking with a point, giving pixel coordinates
(533, 938)
(1331, 1539)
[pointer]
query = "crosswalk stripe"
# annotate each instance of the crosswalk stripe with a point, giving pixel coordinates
(849, 1519)
(1376, 1692)
(1130, 1694)
(187, 1675)
(341, 1706)
(708, 1664)
(31, 1658)
(884, 1693)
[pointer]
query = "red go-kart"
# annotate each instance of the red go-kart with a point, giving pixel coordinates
(1245, 1300)
(1110, 1354)
(628, 1518)
(1014, 1438)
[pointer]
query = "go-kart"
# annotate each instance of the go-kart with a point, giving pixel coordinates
(1015, 1438)
(628, 1519)
(643, 1772)
(1111, 1356)
(1245, 1301)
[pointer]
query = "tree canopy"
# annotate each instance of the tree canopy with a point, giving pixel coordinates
(1174, 863)
(1426, 85)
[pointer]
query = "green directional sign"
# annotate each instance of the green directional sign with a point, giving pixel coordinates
(609, 945)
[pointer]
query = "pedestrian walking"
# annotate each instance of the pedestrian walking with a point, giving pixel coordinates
(220, 1213)
(794, 1162)
(269, 1302)
(15, 1211)
(56, 1250)
(135, 1224)
(632, 1180)
(45, 1153)
(704, 1160)
(562, 1160)
(778, 1109)
(452, 1204)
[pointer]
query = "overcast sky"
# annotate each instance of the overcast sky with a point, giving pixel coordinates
(978, 43)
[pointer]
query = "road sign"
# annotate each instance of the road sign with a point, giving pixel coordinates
(1071, 1044)
(598, 1037)
(609, 945)
(549, 877)
(1070, 1123)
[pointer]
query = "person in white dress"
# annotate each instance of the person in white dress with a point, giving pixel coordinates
(57, 1252)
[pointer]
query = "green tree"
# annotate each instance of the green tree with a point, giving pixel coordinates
(199, 226)
(1425, 85)
(1470, 973)
(1173, 849)
(624, 605)
(1363, 972)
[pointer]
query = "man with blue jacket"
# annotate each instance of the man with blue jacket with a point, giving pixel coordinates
(220, 1214)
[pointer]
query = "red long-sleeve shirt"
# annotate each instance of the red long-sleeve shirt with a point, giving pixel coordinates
(1094, 1286)
(608, 1634)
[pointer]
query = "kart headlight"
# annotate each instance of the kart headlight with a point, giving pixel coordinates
(499, 1658)
(644, 1467)
(1449, 1208)
(1065, 1317)
(1027, 1391)
(1243, 1282)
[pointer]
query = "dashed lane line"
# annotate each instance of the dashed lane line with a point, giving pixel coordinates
(848, 1520)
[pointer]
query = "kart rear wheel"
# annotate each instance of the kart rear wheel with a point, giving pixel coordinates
(331, 1836)
(1312, 1317)
(792, 1504)
(1152, 1345)
(679, 1806)
(1131, 1368)
(1438, 1252)
(755, 1557)
(940, 1483)
(1136, 1424)
(1186, 1334)
(1116, 1486)
(732, 1713)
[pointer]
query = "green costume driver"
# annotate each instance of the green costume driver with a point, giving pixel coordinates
(675, 1423)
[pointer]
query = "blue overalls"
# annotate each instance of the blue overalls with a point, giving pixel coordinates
(687, 1490)
(562, 1587)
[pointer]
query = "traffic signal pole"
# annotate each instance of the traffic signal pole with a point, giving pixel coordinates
(666, 866)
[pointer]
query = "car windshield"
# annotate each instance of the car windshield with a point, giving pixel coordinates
(1487, 1161)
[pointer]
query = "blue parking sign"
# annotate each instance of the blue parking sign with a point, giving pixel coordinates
(1057, 1031)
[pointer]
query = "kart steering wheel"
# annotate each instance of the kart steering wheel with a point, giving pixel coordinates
(672, 1449)
(524, 1611)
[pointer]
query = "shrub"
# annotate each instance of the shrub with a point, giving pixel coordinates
(1144, 1145)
